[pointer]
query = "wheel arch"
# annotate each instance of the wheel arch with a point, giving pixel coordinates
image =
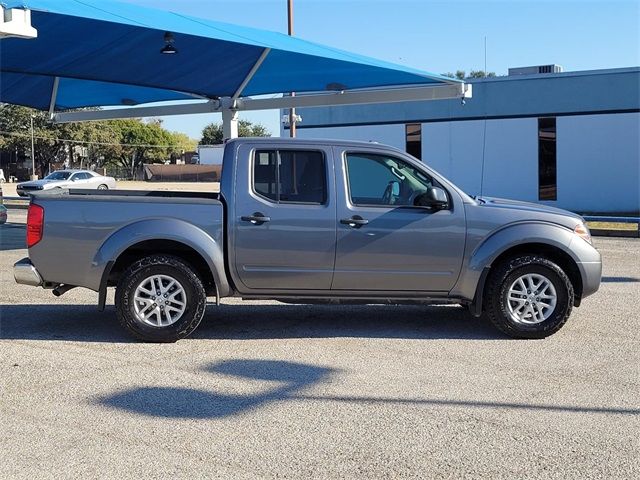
(557, 255)
(171, 248)
(162, 236)
(537, 238)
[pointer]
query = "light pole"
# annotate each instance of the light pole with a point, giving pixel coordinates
(292, 110)
(33, 152)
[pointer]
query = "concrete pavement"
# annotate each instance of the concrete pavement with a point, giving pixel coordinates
(266, 390)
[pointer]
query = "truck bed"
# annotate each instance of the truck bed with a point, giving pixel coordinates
(78, 224)
(138, 194)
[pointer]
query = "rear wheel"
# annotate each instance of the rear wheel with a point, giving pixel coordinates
(528, 297)
(160, 299)
(103, 187)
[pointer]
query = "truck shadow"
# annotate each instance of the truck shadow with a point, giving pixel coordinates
(84, 323)
(253, 321)
(287, 381)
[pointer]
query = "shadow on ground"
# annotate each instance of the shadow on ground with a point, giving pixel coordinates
(250, 321)
(287, 382)
(620, 279)
(285, 379)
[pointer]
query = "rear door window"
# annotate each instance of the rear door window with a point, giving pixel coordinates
(290, 176)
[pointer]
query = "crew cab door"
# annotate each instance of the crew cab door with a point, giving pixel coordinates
(386, 243)
(285, 218)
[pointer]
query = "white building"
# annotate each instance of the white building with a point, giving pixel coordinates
(567, 139)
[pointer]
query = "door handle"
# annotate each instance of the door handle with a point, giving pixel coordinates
(354, 222)
(257, 218)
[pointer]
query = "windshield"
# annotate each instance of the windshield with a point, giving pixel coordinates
(58, 176)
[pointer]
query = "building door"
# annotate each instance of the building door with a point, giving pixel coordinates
(386, 243)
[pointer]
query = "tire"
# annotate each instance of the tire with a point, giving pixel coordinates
(532, 313)
(136, 299)
(103, 187)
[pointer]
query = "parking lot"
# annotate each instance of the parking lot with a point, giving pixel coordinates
(264, 389)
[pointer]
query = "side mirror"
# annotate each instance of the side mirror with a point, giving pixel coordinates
(434, 198)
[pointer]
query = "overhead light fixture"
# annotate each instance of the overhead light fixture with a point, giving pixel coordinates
(168, 48)
(336, 87)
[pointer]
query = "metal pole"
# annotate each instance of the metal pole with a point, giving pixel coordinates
(292, 110)
(33, 152)
(229, 124)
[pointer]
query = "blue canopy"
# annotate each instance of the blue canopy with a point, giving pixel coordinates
(108, 53)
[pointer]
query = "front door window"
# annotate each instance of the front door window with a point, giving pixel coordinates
(380, 180)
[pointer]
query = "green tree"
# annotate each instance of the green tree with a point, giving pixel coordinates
(481, 74)
(462, 75)
(123, 143)
(212, 133)
(15, 125)
(184, 141)
(143, 143)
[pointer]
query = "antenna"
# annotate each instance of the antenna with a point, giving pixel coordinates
(484, 126)
(485, 54)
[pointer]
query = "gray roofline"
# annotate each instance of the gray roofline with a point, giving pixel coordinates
(536, 76)
(307, 141)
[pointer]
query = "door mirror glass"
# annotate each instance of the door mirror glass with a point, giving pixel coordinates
(434, 198)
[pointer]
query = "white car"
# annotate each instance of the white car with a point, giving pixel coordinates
(77, 179)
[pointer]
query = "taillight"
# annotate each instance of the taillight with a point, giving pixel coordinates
(35, 224)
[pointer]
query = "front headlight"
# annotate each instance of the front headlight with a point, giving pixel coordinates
(583, 232)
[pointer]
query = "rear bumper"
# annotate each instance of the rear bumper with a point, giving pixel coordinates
(26, 274)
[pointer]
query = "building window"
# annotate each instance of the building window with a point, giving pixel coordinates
(414, 139)
(290, 176)
(547, 171)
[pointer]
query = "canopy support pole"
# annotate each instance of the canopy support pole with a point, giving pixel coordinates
(251, 73)
(229, 124)
(54, 96)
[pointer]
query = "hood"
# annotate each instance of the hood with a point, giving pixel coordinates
(525, 206)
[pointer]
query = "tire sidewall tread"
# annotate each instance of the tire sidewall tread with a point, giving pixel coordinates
(500, 280)
(153, 265)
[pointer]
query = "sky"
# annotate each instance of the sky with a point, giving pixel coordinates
(436, 36)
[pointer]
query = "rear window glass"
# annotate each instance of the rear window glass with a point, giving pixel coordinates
(290, 176)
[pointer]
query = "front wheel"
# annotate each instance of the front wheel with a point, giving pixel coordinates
(528, 297)
(160, 299)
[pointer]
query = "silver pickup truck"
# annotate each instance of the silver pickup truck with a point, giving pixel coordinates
(312, 221)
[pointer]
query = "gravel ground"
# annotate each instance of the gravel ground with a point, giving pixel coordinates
(267, 390)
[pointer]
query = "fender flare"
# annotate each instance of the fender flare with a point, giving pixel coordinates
(159, 229)
(471, 283)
